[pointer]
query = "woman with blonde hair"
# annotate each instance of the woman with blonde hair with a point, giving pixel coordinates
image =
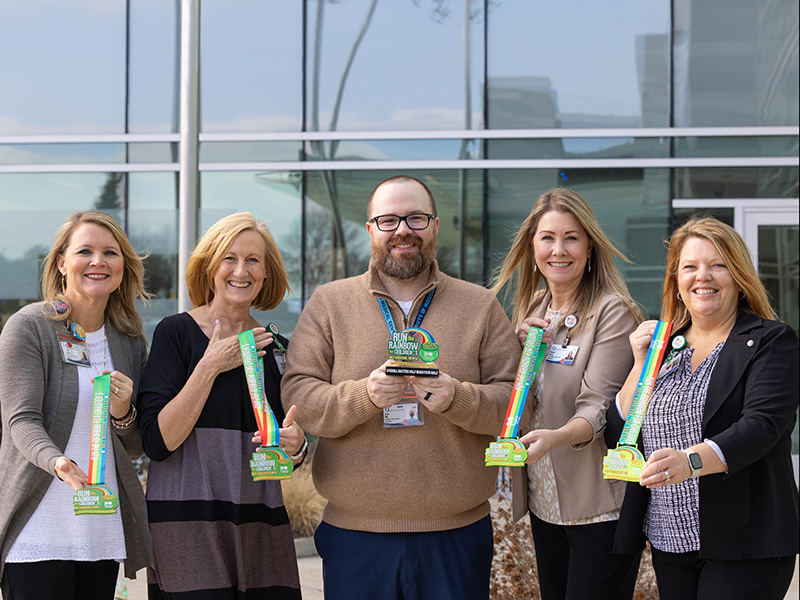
(717, 498)
(562, 265)
(50, 353)
(232, 533)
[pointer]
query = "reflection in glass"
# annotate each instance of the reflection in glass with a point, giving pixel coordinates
(153, 152)
(736, 63)
(63, 66)
(578, 148)
(737, 182)
(451, 149)
(724, 214)
(274, 197)
(736, 146)
(32, 207)
(631, 205)
(779, 268)
(154, 67)
(250, 151)
(49, 154)
(579, 66)
(359, 53)
(251, 66)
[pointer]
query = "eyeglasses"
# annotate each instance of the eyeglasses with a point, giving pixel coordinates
(414, 221)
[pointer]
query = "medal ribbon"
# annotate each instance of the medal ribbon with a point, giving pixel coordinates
(99, 436)
(533, 354)
(633, 424)
(254, 372)
(387, 315)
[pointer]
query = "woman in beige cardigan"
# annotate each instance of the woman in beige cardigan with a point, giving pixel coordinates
(567, 284)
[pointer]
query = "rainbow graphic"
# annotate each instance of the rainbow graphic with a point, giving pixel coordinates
(532, 355)
(655, 353)
(99, 435)
(426, 336)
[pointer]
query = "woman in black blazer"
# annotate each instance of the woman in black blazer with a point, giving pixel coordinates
(717, 498)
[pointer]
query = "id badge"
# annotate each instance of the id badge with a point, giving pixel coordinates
(73, 350)
(280, 360)
(403, 414)
(670, 365)
(561, 355)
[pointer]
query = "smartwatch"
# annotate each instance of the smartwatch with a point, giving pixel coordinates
(695, 462)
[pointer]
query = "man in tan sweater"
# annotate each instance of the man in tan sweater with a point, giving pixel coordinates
(407, 514)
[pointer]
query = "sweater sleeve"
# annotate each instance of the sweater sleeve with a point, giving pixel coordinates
(165, 374)
(480, 406)
(323, 409)
(23, 379)
(608, 366)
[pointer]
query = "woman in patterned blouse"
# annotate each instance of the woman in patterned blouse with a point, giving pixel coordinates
(717, 499)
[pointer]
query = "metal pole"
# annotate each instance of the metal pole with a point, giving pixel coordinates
(188, 177)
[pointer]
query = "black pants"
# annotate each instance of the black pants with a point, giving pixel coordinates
(685, 576)
(575, 562)
(60, 580)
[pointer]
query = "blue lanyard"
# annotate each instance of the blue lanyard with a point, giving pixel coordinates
(387, 315)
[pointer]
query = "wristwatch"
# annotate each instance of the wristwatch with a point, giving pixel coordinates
(695, 462)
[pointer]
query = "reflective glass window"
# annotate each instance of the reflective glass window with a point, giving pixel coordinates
(778, 145)
(736, 63)
(737, 182)
(582, 64)
(49, 154)
(275, 198)
(394, 65)
(578, 148)
(632, 206)
(154, 66)
(251, 65)
(63, 66)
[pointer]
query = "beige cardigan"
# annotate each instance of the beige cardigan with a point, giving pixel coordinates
(584, 389)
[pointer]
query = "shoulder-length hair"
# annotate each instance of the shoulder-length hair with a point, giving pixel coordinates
(121, 306)
(734, 253)
(211, 249)
(604, 278)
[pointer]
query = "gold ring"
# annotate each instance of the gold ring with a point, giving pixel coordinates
(116, 390)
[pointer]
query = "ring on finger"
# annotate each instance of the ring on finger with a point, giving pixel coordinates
(666, 473)
(116, 390)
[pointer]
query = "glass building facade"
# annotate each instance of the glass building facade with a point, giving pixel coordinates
(651, 110)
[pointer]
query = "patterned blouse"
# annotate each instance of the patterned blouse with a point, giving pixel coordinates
(542, 488)
(674, 420)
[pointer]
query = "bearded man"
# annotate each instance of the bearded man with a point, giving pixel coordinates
(400, 459)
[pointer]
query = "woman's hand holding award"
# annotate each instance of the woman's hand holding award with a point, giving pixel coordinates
(508, 451)
(626, 462)
(269, 461)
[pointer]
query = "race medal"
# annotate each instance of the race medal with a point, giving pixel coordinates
(412, 356)
(626, 462)
(508, 451)
(95, 498)
(269, 461)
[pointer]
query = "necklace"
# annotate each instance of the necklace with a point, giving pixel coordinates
(99, 371)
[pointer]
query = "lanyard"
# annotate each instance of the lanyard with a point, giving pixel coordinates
(387, 315)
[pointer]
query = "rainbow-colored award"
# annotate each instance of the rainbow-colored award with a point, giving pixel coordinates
(626, 462)
(508, 451)
(96, 498)
(411, 356)
(269, 461)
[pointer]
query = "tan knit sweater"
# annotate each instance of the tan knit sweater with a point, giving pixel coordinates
(428, 478)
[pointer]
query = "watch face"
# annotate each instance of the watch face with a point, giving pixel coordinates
(695, 460)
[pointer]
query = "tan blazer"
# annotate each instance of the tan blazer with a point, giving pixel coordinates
(584, 389)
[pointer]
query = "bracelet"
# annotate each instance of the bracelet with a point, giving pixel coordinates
(127, 421)
(302, 450)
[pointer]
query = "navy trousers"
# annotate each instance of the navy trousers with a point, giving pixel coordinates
(360, 565)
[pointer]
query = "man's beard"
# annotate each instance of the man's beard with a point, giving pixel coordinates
(403, 266)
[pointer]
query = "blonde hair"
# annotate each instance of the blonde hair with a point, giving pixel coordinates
(211, 249)
(604, 278)
(734, 253)
(121, 306)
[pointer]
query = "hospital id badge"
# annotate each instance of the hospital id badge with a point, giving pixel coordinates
(403, 414)
(564, 355)
(73, 350)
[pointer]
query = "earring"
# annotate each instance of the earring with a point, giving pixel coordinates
(63, 285)
(678, 296)
(534, 267)
(589, 263)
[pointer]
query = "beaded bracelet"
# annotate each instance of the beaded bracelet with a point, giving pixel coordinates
(127, 421)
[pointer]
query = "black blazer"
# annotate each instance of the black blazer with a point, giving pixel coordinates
(751, 511)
